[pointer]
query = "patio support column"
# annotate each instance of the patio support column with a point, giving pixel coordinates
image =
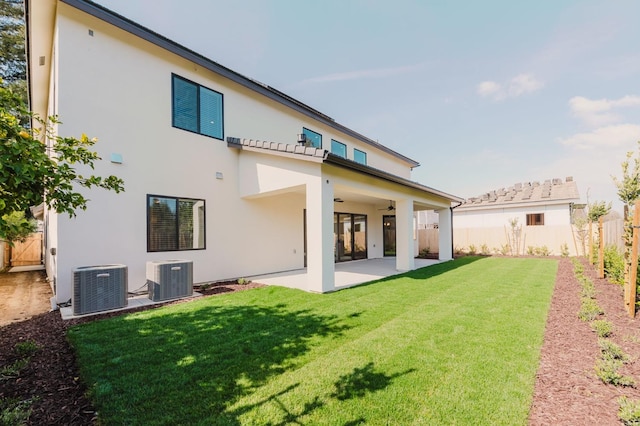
(320, 261)
(404, 235)
(445, 234)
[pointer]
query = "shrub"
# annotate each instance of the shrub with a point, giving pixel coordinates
(505, 249)
(589, 310)
(27, 348)
(607, 371)
(544, 251)
(243, 281)
(531, 250)
(629, 412)
(484, 249)
(472, 249)
(13, 370)
(603, 328)
(564, 250)
(614, 265)
(610, 350)
(14, 412)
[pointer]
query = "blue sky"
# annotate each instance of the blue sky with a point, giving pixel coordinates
(482, 94)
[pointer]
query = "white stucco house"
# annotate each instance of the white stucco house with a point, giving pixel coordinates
(541, 213)
(215, 168)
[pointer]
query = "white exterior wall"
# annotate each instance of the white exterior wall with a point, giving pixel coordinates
(558, 214)
(254, 212)
(492, 228)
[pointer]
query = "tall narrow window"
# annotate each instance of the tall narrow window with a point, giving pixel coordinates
(175, 223)
(314, 139)
(196, 108)
(359, 156)
(535, 219)
(338, 148)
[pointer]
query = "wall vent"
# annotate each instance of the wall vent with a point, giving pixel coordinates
(99, 288)
(169, 279)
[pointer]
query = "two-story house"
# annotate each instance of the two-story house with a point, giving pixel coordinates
(219, 169)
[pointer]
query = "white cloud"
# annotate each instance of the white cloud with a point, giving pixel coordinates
(487, 88)
(519, 85)
(599, 112)
(604, 137)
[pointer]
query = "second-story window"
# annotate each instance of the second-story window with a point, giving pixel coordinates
(359, 156)
(196, 108)
(338, 148)
(314, 139)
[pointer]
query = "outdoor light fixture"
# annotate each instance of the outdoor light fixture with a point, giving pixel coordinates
(302, 139)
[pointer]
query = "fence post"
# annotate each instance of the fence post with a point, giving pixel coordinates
(601, 249)
(633, 268)
(590, 255)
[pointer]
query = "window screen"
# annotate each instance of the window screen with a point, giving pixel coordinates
(175, 223)
(196, 108)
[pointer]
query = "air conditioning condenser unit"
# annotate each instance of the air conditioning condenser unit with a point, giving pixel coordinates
(169, 279)
(99, 288)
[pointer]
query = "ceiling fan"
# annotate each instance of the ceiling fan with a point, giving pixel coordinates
(391, 207)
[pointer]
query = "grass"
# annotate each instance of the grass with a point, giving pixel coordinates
(455, 343)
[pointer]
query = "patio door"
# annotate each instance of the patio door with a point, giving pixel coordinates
(389, 235)
(349, 236)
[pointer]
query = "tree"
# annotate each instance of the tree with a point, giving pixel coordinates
(18, 227)
(629, 185)
(598, 209)
(34, 171)
(13, 62)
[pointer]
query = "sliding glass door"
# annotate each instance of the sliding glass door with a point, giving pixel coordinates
(389, 235)
(350, 236)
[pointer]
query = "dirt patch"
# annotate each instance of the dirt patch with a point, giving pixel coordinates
(567, 392)
(23, 295)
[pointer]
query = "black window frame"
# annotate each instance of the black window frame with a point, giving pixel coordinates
(305, 129)
(362, 152)
(176, 240)
(199, 88)
(339, 143)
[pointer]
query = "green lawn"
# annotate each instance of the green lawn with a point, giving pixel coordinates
(455, 343)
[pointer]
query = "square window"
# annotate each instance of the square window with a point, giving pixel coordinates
(175, 224)
(314, 139)
(196, 108)
(535, 219)
(359, 156)
(338, 148)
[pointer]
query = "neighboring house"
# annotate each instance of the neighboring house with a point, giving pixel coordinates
(543, 212)
(188, 135)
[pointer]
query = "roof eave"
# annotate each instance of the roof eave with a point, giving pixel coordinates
(138, 30)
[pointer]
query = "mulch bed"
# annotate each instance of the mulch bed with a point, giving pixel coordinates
(567, 392)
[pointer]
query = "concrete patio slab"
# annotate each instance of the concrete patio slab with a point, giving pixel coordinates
(347, 274)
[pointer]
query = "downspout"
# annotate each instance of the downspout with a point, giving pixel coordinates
(451, 209)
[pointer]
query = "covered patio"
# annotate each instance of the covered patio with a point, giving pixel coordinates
(347, 274)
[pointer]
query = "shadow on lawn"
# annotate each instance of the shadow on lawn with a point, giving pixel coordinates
(363, 380)
(190, 365)
(355, 384)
